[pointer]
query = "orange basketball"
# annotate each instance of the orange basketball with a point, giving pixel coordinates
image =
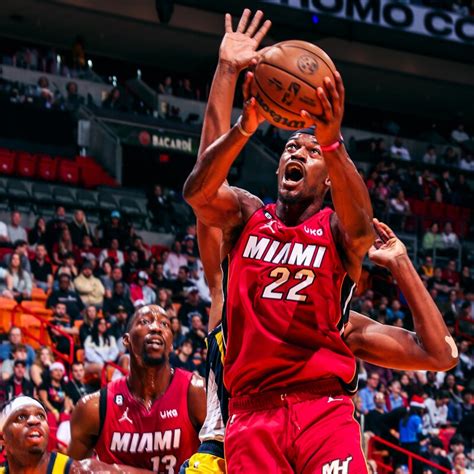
(285, 82)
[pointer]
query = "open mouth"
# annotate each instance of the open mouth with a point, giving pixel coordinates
(294, 172)
(34, 435)
(155, 343)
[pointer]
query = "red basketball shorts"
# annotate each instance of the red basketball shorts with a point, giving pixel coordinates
(307, 430)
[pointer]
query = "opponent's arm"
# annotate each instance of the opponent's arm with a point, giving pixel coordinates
(352, 224)
(197, 401)
(431, 347)
(85, 425)
(88, 466)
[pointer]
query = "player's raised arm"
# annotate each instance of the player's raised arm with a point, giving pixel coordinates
(353, 218)
(213, 200)
(85, 424)
(431, 347)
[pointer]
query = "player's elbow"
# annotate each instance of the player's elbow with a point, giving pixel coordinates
(442, 362)
(191, 192)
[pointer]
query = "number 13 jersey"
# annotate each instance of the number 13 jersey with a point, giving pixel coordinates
(287, 302)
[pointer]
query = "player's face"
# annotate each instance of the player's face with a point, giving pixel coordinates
(302, 172)
(150, 338)
(26, 431)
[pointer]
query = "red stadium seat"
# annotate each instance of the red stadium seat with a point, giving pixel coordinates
(418, 207)
(68, 171)
(26, 164)
(46, 168)
(7, 162)
(437, 210)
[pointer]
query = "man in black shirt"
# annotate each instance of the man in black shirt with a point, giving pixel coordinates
(159, 279)
(117, 299)
(76, 388)
(41, 269)
(90, 315)
(182, 358)
(180, 285)
(17, 384)
(374, 419)
(73, 302)
(65, 324)
(119, 327)
(193, 305)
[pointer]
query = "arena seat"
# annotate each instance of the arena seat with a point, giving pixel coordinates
(130, 207)
(42, 193)
(86, 199)
(47, 168)
(6, 308)
(80, 355)
(68, 171)
(7, 162)
(26, 164)
(38, 295)
(107, 202)
(3, 194)
(64, 197)
(31, 327)
(18, 191)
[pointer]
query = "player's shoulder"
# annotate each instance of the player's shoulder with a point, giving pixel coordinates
(197, 400)
(89, 402)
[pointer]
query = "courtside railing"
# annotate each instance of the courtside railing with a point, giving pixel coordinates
(411, 456)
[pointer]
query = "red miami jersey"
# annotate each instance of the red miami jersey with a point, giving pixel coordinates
(159, 439)
(287, 302)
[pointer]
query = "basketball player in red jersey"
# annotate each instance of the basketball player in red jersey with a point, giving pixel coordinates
(149, 419)
(291, 265)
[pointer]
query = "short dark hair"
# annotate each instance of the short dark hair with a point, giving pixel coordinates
(19, 243)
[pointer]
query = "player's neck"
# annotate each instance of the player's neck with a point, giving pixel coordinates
(29, 464)
(149, 383)
(295, 213)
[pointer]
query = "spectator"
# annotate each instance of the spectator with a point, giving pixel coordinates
(467, 162)
(160, 207)
(113, 252)
(73, 99)
(114, 229)
(450, 241)
(439, 284)
(41, 270)
(179, 332)
(399, 209)
(410, 427)
(141, 290)
(166, 87)
(450, 157)
(131, 267)
(118, 298)
(119, 328)
(432, 239)
(199, 281)
(15, 230)
(185, 90)
(116, 276)
(466, 281)
(175, 261)
(395, 312)
(86, 251)
(22, 284)
(158, 278)
(89, 288)
(37, 234)
(114, 101)
(4, 239)
(461, 464)
(76, 388)
(164, 300)
(190, 250)
(99, 348)
(181, 284)
(456, 445)
(374, 419)
(398, 150)
(427, 268)
(15, 337)
(68, 267)
(467, 406)
(459, 135)
(52, 394)
(55, 226)
(79, 228)
(18, 353)
(73, 302)
(451, 275)
(394, 398)
(20, 247)
(430, 156)
(437, 454)
(63, 247)
(197, 333)
(182, 358)
(40, 369)
(367, 394)
(193, 305)
(63, 327)
(437, 413)
(90, 315)
(143, 253)
(18, 384)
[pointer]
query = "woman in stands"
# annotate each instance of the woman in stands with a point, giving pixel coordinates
(22, 284)
(39, 371)
(63, 247)
(99, 348)
(37, 234)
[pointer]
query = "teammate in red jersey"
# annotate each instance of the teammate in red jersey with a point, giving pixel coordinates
(290, 271)
(149, 419)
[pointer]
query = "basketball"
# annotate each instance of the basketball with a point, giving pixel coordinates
(285, 81)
